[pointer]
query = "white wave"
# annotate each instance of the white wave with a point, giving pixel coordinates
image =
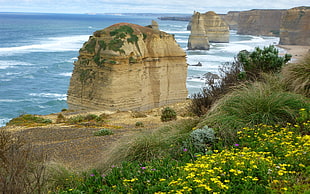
(52, 44)
(4, 64)
(4, 121)
(177, 32)
(50, 95)
(10, 100)
(68, 74)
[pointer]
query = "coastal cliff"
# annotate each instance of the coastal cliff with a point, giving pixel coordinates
(295, 27)
(232, 19)
(260, 22)
(205, 28)
(128, 67)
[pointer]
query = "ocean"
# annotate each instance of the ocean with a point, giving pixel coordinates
(37, 52)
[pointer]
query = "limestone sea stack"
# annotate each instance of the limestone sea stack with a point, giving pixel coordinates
(295, 27)
(198, 39)
(205, 28)
(128, 67)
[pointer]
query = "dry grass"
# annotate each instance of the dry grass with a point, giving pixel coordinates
(297, 76)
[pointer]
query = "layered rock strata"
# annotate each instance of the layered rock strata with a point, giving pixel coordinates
(295, 27)
(205, 28)
(260, 22)
(128, 67)
(198, 39)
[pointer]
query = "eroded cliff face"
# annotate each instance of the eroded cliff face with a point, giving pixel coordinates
(128, 67)
(260, 22)
(198, 39)
(232, 19)
(295, 27)
(205, 28)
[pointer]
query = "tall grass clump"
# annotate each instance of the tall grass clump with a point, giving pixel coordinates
(260, 102)
(297, 76)
(22, 169)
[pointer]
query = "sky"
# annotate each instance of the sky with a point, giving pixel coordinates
(144, 6)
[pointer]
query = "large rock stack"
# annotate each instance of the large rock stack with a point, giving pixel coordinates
(128, 67)
(295, 27)
(205, 28)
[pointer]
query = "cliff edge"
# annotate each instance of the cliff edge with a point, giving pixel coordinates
(128, 67)
(295, 27)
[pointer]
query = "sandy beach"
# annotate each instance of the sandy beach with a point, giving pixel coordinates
(297, 51)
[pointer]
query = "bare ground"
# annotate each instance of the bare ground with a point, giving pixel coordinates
(77, 147)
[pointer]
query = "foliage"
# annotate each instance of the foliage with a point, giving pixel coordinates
(103, 132)
(267, 159)
(296, 76)
(215, 89)
(89, 119)
(248, 66)
(139, 124)
(202, 138)
(29, 120)
(259, 102)
(168, 114)
(265, 60)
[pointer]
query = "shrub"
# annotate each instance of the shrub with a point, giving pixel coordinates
(139, 124)
(214, 90)
(103, 132)
(265, 60)
(251, 105)
(297, 76)
(248, 66)
(168, 114)
(202, 138)
(28, 119)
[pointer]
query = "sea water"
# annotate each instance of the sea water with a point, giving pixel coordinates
(37, 52)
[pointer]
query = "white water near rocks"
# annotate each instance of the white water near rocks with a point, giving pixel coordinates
(37, 52)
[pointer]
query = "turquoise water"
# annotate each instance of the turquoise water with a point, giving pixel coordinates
(37, 52)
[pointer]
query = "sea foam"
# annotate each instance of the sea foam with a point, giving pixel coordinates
(51, 44)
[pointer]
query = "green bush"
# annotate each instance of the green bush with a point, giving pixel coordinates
(265, 60)
(29, 119)
(168, 114)
(103, 132)
(251, 105)
(139, 124)
(202, 138)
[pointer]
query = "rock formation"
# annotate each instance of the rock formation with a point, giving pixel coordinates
(128, 67)
(208, 27)
(198, 39)
(260, 22)
(295, 27)
(232, 19)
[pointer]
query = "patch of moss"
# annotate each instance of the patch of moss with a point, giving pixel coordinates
(29, 120)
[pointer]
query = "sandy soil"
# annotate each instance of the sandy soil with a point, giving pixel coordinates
(297, 51)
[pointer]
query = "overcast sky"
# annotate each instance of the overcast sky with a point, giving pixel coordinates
(144, 6)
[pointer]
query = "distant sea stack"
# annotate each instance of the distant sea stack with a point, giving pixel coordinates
(128, 67)
(205, 28)
(260, 22)
(295, 27)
